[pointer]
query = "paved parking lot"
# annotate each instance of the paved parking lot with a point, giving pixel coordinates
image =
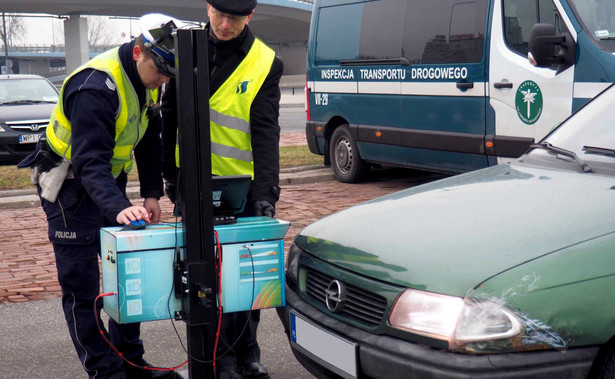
(27, 264)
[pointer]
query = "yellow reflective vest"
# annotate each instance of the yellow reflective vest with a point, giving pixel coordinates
(130, 123)
(229, 113)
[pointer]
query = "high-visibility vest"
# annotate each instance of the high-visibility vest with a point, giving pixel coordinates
(229, 113)
(130, 122)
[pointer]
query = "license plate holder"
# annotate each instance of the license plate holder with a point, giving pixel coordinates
(29, 138)
(332, 351)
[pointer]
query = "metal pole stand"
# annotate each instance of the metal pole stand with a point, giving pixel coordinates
(198, 266)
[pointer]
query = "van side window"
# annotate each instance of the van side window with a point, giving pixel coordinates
(521, 15)
(338, 27)
(381, 34)
(444, 31)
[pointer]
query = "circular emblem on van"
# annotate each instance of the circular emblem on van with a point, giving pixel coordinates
(528, 102)
(333, 296)
(35, 127)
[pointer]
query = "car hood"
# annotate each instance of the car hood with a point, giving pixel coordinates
(20, 112)
(451, 235)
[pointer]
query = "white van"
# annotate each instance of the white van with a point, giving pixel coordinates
(447, 85)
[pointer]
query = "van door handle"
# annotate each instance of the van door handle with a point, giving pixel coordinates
(500, 85)
(465, 85)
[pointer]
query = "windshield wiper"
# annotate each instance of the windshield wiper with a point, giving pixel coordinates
(606, 38)
(599, 150)
(564, 152)
(26, 102)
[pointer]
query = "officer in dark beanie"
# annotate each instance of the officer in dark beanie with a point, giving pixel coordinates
(244, 91)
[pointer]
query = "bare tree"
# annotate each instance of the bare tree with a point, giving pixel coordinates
(100, 31)
(15, 29)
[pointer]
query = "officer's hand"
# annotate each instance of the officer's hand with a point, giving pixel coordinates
(133, 213)
(264, 208)
(152, 206)
(170, 188)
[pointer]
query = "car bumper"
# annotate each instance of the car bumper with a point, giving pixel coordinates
(381, 356)
(311, 135)
(11, 150)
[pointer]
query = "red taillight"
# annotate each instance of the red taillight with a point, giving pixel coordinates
(307, 100)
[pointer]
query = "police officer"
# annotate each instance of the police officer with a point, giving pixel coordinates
(106, 114)
(244, 77)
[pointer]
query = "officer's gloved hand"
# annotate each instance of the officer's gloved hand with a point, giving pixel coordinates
(170, 188)
(264, 208)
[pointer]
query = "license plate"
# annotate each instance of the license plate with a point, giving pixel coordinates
(29, 138)
(335, 353)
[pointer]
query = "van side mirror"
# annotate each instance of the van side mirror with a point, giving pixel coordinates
(541, 48)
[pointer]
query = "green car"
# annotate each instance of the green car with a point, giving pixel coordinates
(505, 272)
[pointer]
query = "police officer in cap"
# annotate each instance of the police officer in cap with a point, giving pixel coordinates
(106, 115)
(244, 98)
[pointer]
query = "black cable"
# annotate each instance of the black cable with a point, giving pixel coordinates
(220, 316)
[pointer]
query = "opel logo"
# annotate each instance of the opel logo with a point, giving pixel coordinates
(35, 127)
(334, 296)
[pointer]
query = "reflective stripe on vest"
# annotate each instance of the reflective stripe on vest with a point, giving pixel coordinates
(229, 114)
(130, 122)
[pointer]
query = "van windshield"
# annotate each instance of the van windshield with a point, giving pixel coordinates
(598, 16)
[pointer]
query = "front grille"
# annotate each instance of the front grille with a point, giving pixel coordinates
(364, 307)
(28, 126)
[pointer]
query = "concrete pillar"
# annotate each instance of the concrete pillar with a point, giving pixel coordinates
(294, 56)
(77, 46)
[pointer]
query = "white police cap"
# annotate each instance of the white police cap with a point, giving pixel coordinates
(157, 30)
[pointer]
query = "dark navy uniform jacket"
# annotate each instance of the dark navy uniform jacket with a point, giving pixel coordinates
(224, 57)
(91, 105)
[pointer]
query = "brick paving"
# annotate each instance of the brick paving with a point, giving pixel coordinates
(292, 139)
(27, 263)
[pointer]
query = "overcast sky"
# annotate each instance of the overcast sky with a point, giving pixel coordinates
(41, 30)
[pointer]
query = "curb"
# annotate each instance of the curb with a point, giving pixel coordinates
(27, 198)
(292, 105)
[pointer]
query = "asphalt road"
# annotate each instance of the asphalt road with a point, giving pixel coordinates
(292, 120)
(34, 344)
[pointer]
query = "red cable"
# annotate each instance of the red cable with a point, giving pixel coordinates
(219, 273)
(218, 267)
(102, 333)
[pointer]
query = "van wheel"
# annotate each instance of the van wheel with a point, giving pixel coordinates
(346, 161)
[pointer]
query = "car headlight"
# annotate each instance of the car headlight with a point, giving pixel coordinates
(486, 320)
(458, 321)
(2, 129)
(425, 313)
(292, 263)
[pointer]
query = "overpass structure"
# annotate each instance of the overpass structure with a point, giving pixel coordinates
(282, 24)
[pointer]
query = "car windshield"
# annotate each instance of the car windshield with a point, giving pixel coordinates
(598, 17)
(27, 90)
(585, 138)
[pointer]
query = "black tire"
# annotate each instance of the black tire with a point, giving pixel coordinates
(604, 364)
(346, 161)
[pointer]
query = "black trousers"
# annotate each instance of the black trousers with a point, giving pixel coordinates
(238, 343)
(74, 223)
